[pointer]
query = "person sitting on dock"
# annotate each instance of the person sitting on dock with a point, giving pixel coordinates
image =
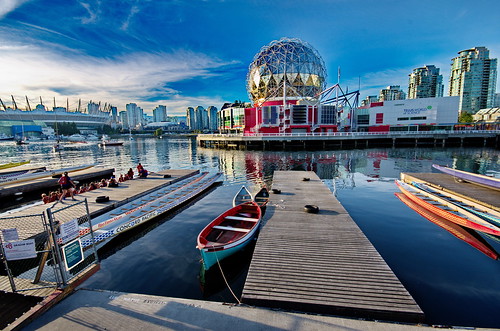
(121, 179)
(53, 196)
(103, 183)
(130, 173)
(112, 182)
(45, 198)
(67, 186)
(140, 169)
(144, 173)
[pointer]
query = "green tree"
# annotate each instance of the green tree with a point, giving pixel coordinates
(158, 132)
(465, 117)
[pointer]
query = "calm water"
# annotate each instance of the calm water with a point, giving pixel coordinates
(454, 283)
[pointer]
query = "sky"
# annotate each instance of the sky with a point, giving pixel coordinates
(188, 53)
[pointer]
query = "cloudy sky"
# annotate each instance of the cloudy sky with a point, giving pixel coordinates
(182, 53)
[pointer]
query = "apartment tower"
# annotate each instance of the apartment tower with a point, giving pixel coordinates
(425, 82)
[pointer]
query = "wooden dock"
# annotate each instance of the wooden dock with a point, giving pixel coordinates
(48, 183)
(322, 262)
(479, 194)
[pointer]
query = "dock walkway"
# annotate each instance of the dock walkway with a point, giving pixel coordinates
(321, 262)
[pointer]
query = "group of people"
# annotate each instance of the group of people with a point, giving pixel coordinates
(69, 188)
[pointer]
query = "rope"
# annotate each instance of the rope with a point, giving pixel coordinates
(225, 280)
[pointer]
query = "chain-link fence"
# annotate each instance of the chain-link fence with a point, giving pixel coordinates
(44, 250)
(67, 224)
(27, 254)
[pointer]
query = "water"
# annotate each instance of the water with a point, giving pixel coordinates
(453, 283)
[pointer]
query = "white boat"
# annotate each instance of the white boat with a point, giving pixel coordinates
(8, 180)
(242, 196)
(77, 137)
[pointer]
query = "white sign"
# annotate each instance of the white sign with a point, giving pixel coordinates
(69, 230)
(10, 234)
(19, 250)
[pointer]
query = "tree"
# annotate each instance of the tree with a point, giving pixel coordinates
(158, 132)
(465, 117)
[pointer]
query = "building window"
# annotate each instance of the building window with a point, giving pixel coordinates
(299, 114)
(379, 118)
(270, 115)
(363, 119)
(328, 114)
(418, 118)
(403, 118)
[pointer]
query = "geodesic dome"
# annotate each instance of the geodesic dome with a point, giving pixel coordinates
(288, 64)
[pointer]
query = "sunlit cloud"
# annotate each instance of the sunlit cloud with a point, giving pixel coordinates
(8, 6)
(137, 77)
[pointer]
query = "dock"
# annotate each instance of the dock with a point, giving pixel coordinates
(349, 140)
(321, 263)
(48, 183)
(485, 196)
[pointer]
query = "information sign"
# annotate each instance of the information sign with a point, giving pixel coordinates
(73, 253)
(19, 250)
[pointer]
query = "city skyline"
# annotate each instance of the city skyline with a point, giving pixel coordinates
(182, 54)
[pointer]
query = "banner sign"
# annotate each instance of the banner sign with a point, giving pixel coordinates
(19, 250)
(10, 234)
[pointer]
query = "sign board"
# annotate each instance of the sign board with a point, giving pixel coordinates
(10, 234)
(19, 250)
(69, 230)
(72, 253)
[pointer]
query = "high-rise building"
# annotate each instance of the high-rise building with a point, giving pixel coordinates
(425, 82)
(368, 100)
(134, 115)
(393, 92)
(191, 118)
(213, 122)
(160, 114)
(473, 77)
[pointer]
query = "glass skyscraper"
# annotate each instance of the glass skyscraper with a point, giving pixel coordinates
(473, 78)
(425, 82)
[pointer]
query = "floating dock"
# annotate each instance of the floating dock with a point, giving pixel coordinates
(485, 196)
(322, 262)
(46, 184)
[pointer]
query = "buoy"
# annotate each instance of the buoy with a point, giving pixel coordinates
(306, 179)
(102, 198)
(313, 209)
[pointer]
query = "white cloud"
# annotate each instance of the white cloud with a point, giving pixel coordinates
(8, 6)
(133, 78)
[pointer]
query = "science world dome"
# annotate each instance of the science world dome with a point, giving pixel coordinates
(289, 65)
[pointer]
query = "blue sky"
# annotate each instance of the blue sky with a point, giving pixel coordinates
(196, 53)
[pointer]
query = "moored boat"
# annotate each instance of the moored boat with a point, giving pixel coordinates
(490, 182)
(13, 164)
(452, 212)
(482, 211)
(242, 196)
(455, 229)
(262, 197)
(7, 180)
(229, 232)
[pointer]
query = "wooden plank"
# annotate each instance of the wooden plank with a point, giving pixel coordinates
(322, 262)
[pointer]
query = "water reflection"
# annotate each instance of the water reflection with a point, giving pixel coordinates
(454, 285)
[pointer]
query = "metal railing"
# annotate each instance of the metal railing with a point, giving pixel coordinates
(353, 134)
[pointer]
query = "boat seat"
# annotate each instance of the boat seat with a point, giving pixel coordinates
(228, 228)
(238, 218)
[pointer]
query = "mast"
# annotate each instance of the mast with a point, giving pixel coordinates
(67, 104)
(28, 102)
(14, 102)
(3, 105)
(41, 102)
(54, 102)
(79, 104)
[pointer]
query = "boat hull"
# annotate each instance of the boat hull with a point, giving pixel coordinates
(490, 182)
(210, 258)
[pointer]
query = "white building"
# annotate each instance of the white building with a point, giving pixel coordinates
(410, 114)
(160, 114)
